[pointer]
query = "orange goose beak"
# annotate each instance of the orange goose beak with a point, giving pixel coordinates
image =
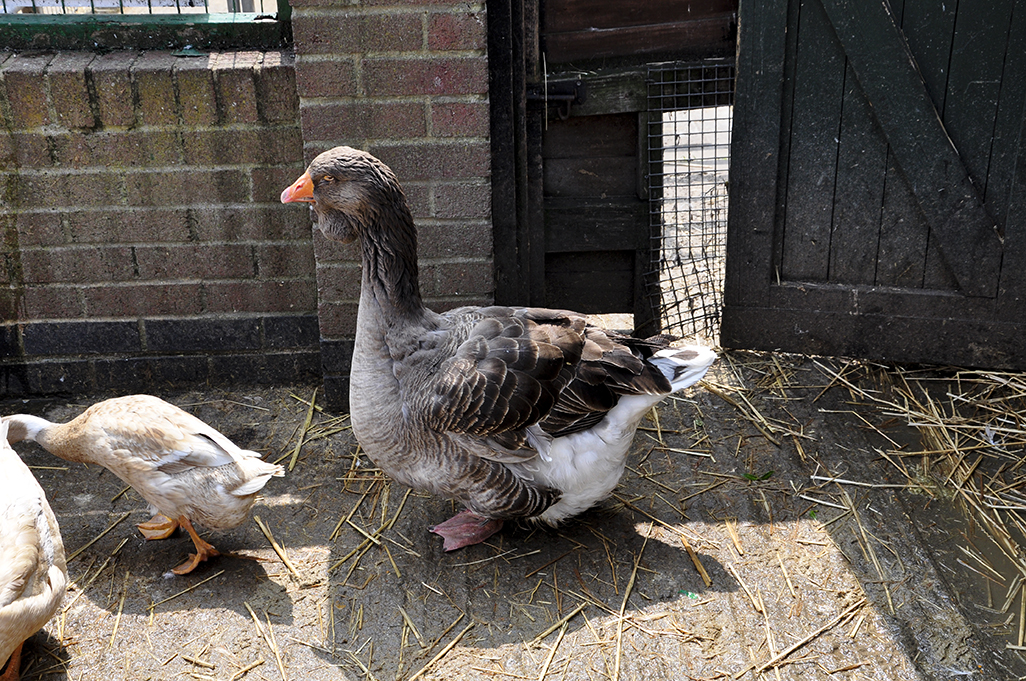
(301, 190)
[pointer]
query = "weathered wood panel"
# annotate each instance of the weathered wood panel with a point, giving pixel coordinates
(926, 189)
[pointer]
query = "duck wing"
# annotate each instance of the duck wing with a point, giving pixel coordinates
(160, 435)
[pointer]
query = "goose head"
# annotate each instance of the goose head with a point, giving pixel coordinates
(351, 192)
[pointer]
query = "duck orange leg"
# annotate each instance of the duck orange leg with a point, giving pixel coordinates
(158, 527)
(466, 528)
(11, 671)
(203, 549)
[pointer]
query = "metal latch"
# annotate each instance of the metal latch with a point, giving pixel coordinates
(563, 94)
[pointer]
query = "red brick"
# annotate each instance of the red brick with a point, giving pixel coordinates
(51, 190)
(338, 320)
(77, 264)
(225, 146)
(339, 283)
(360, 120)
(457, 31)
(277, 296)
(252, 222)
(53, 302)
(277, 98)
(8, 156)
(197, 100)
(353, 33)
(455, 240)
(452, 160)
(26, 93)
(331, 77)
(117, 148)
(112, 81)
(69, 93)
(236, 89)
(187, 187)
(464, 201)
(138, 300)
(418, 197)
(399, 76)
(268, 183)
(285, 261)
(40, 229)
(450, 119)
(154, 85)
(457, 279)
(129, 225)
(195, 261)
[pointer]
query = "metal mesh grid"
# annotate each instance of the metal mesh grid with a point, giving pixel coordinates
(690, 112)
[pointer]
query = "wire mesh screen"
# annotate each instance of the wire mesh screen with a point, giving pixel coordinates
(690, 111)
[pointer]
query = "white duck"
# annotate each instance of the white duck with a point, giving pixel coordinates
(515, 412)
(33, 574)
(185, 469)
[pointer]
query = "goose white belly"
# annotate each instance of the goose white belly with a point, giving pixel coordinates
(586, 466)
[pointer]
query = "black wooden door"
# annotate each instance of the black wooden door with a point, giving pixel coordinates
(569, 157)
(877, 203)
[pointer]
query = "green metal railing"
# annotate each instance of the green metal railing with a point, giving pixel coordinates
(104, 25)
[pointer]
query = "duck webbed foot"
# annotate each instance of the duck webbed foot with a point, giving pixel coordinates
(204, 550)
(158, 527)
(466, 528)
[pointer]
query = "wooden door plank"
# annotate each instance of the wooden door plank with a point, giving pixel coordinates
(596, 224)
(570, 15)
(974, 82)
(601, 176)
(584, 136)
(928, 27)
(1009, 119)
(708, 36)
(901, 256)
(888, 74)
(754, 151)
(861, 168)
(812, 165)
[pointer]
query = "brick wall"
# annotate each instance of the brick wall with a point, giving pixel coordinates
(143, 241)
(408, 82)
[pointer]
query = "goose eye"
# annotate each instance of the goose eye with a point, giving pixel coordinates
(328, 178)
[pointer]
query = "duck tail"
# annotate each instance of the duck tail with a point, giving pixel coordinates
(256, 473)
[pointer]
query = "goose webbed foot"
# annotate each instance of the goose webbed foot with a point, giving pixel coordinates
(466, 528)
(204, 550)
(158, 527)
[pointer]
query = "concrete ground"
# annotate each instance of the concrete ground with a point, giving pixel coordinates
(724, 553)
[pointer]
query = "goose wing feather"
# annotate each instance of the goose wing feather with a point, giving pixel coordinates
(526, 366)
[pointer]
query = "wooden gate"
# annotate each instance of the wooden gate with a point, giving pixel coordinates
(877, 203)
(570, 202)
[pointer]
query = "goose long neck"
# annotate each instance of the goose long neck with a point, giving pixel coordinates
(390, 259)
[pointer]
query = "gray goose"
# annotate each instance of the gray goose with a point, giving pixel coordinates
(517, 413)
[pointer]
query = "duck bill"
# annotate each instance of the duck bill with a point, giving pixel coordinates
(300, 191)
